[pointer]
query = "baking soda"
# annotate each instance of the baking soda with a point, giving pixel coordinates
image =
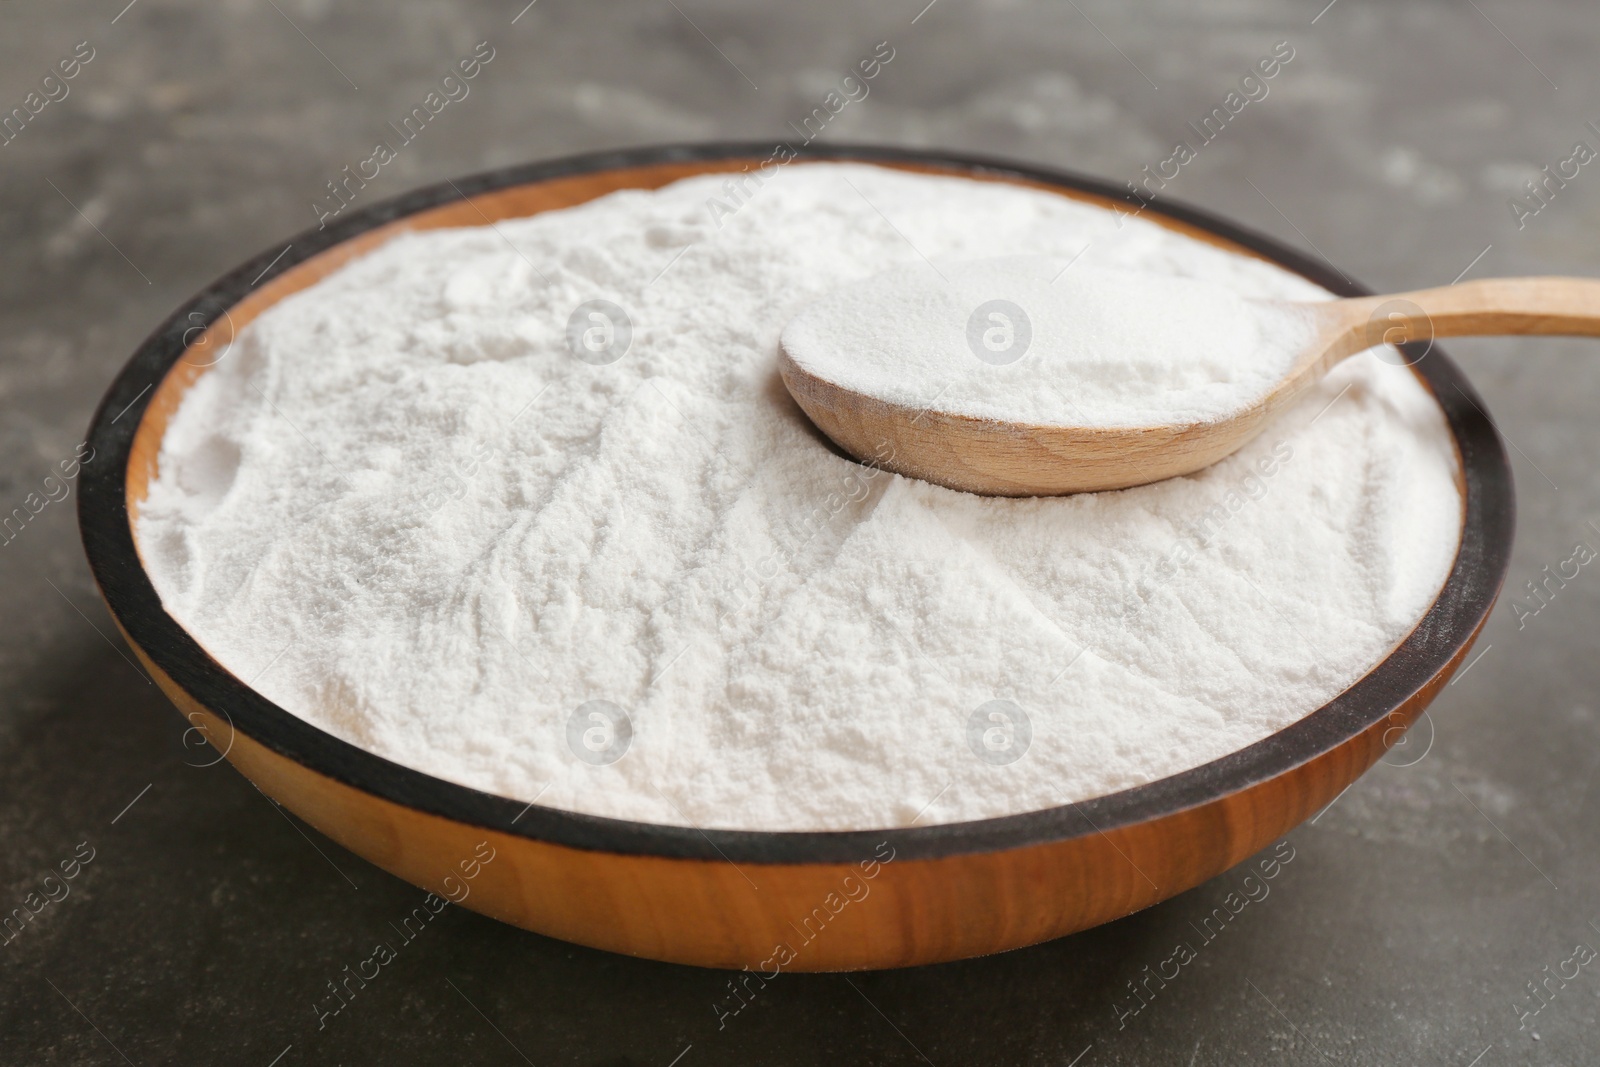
(528, 508)
(1028, 339)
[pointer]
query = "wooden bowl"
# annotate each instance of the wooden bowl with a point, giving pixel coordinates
(725, 898)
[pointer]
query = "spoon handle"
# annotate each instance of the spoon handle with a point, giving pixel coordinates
(1486, 307)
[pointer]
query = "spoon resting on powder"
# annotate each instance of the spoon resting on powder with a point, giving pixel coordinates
(1012, 377)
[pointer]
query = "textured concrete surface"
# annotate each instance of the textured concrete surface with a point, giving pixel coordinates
(1417, 910)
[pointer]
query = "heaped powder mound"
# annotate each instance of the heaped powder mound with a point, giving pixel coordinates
(528, 508)
(1065, 346)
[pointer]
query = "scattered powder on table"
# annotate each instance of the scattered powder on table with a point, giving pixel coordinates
(444, 506)
(1026, 339)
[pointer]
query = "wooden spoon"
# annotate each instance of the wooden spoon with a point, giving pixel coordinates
(998, 458)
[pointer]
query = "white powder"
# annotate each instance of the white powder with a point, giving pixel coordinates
(402, 509)
(1050, 342)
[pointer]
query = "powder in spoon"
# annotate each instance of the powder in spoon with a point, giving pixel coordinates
(447, 506)
(1028, 339)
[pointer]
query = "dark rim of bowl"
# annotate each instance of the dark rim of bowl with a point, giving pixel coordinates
(1448, 625)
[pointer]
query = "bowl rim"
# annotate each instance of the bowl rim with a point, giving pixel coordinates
(1442, 633)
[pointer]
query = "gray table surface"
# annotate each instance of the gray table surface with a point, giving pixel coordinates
(1418, 907)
